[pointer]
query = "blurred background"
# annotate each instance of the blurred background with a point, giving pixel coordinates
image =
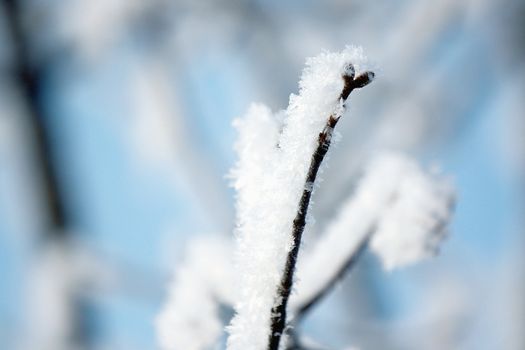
(115, 139)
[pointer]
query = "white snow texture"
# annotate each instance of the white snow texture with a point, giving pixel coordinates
(401, 208)
(416, 221)
(274, 155)
(190, 317)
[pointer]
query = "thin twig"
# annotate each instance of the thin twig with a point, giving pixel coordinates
(343, 269)
(278, 321)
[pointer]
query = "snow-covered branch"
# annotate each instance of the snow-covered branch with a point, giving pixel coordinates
(398, 209)
(323, 144)
(274, 179)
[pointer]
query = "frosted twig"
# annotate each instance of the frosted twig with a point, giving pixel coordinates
(344, 269)
(401, 217)
(278, 321)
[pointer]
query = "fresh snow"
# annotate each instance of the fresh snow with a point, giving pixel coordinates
(416, 221)
(190, 319)
(269, 177)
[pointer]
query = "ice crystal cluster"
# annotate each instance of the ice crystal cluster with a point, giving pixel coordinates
(274, 156)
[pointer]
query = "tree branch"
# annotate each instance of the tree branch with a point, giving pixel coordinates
(278, 321)
(28, 76)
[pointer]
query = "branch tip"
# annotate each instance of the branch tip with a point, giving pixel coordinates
(352, 82)
(363, 79)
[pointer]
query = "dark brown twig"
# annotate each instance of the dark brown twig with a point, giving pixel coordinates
(278, 320)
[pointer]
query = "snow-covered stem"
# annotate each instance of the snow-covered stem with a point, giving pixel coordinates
(278, 321)
(399, 211)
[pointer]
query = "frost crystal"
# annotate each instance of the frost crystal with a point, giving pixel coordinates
(269, 178)
(416, 221)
